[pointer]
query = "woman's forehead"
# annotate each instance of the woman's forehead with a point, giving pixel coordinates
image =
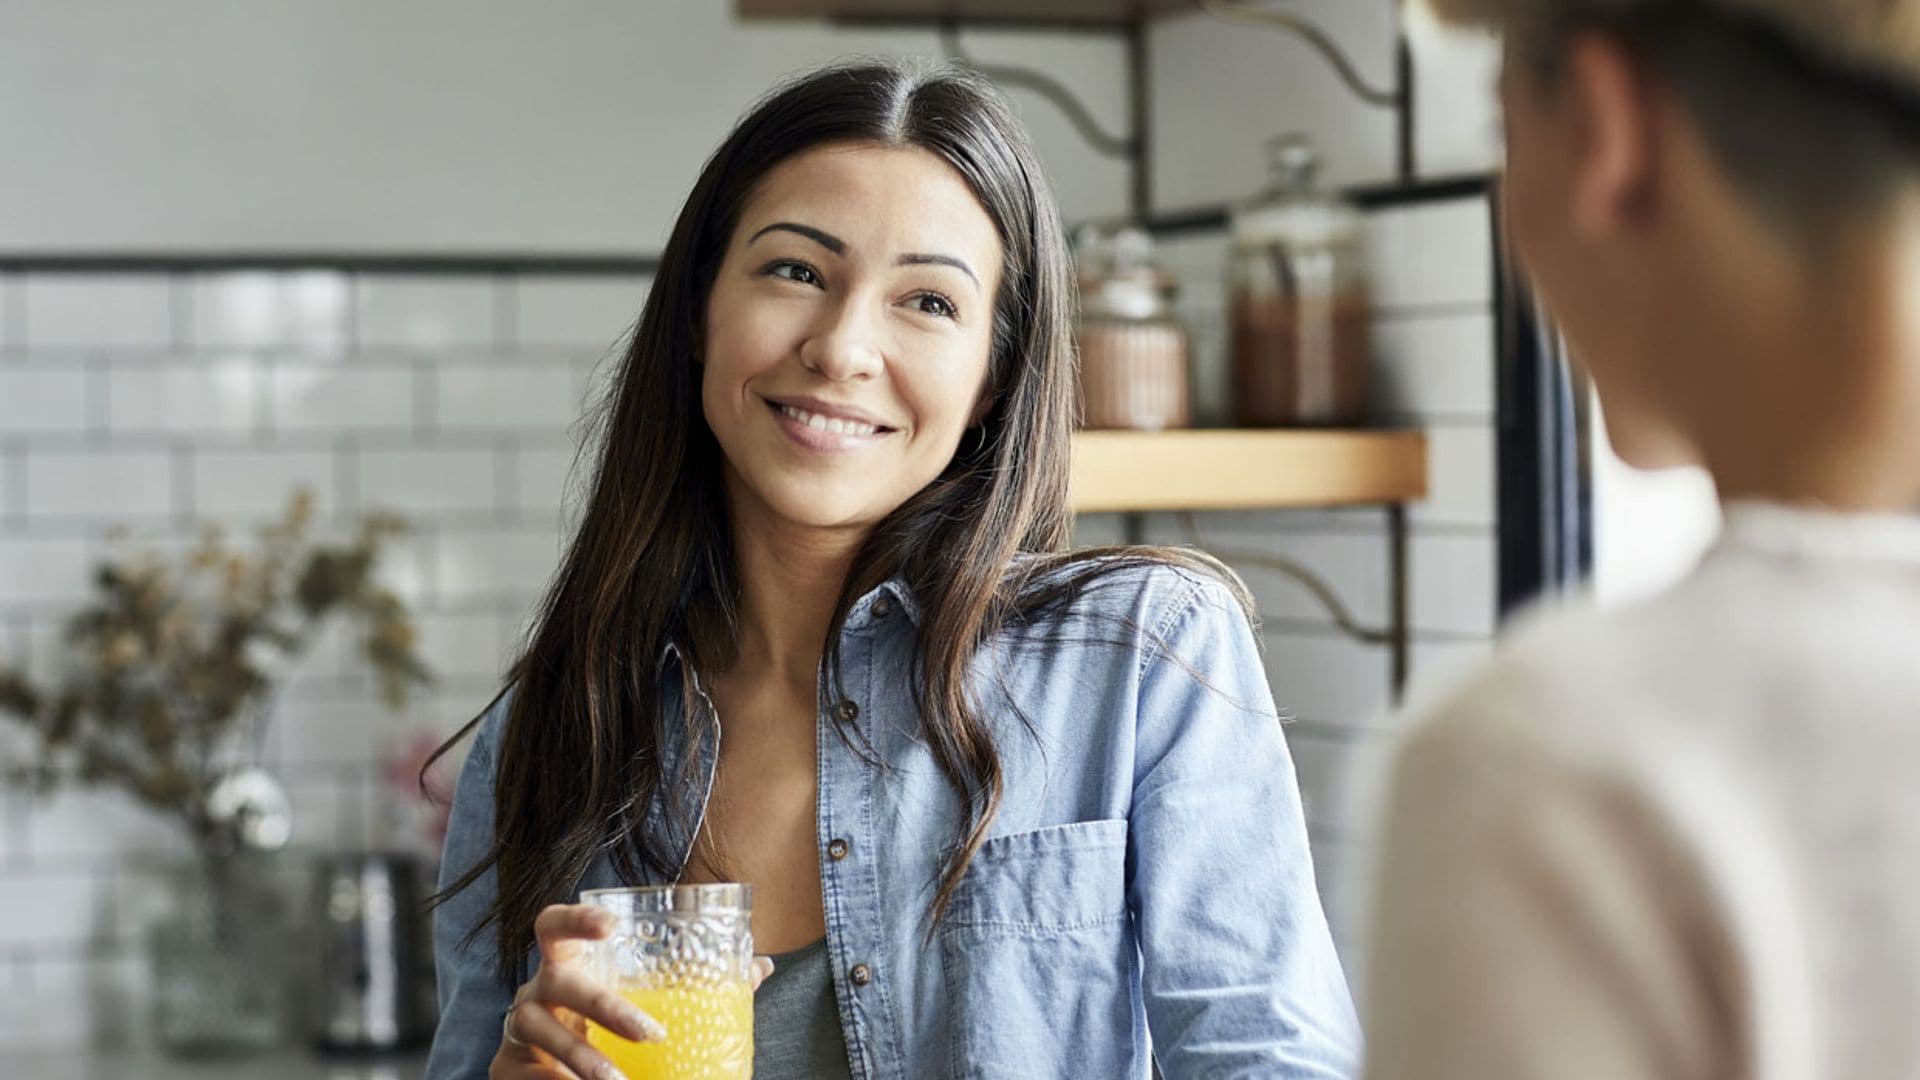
(884, 198)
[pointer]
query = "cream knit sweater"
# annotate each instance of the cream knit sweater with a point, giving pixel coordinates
(1677, 840)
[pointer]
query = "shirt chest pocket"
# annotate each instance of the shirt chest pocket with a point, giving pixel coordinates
(1038, 956)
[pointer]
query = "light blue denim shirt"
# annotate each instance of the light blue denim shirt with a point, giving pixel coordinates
(1147, 876)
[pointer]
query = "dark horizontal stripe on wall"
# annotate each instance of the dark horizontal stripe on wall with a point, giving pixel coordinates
(1092, 27)
(349, 262)
(1386, 196)
(1203, 219)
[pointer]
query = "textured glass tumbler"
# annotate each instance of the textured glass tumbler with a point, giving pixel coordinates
(684, 955)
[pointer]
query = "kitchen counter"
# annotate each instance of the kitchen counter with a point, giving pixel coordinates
(288, 1064)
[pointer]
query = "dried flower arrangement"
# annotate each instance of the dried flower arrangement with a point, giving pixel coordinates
(175, 666)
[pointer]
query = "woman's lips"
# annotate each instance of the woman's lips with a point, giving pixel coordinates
(826, 434)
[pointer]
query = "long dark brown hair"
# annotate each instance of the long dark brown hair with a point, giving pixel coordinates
(651, 564)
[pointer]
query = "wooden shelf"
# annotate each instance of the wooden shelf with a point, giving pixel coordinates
(1090, 12)
(1245, 469)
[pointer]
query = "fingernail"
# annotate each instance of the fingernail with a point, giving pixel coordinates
(606, 1071)
(643, 1027)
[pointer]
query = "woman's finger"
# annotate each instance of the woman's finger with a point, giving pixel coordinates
(561, 928)
(572, 989)
(536, 1025)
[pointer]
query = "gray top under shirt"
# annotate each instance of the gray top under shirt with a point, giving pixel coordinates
(796, 1023)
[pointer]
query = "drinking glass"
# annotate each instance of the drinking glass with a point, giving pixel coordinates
(684, 955)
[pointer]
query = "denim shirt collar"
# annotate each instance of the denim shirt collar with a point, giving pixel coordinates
(874, 609)
(876, 606)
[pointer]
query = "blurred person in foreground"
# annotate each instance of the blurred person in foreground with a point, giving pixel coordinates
(1682, 839)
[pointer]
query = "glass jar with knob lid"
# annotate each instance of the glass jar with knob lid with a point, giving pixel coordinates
(1133, 349)
(1297, 280)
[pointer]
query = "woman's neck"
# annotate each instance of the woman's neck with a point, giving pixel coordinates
(791, 576)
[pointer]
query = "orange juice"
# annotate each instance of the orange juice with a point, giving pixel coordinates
(709, 1035)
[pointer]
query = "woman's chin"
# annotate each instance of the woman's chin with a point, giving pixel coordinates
(813, 506)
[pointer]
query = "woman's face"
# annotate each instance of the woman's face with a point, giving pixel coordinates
(847, 334)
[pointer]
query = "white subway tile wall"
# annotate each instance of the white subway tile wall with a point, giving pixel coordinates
(535, 396)
(302, 310)
(42, 400)
(158, 402)
(422, 312)
(588, 313)
(219, 395)
(40, 572)
(93, 311)
(12, 310)
(256, 485)
(340, 397)
(120, 485)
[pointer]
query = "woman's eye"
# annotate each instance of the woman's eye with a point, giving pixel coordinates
(795, 271)
(934, 304)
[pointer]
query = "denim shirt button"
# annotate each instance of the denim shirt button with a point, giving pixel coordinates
(837, 849)
(883, 607)
(861, 974)
(846, 711)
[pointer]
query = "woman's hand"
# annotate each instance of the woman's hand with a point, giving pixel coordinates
(545, 1032)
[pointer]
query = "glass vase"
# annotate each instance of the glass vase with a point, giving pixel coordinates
(217, 961)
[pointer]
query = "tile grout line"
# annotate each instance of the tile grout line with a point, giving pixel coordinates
(346, 475)
(426, 399)
(427, 564)
(506, 313)
(356, 291)
(506, 479)
(181, 330)
(15, 298)
(266, 377)
(18, 831)
(184, 496)
(98, 391)
(15, 462)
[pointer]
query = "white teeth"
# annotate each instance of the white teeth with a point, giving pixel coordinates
(828, 424)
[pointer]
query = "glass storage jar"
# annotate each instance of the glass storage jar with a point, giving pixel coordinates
(1297, 284)
(1133, 350)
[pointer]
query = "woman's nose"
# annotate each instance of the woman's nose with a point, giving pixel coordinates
(844, 345)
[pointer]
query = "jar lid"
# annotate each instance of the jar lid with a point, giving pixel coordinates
(1118, 278)
(1294, 210)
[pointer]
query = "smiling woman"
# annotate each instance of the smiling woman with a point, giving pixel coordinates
(850, 321)
(1006, 810)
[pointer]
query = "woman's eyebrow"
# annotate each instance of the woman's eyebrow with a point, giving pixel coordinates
(824, 239)
(939, 260)
(839, 247)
